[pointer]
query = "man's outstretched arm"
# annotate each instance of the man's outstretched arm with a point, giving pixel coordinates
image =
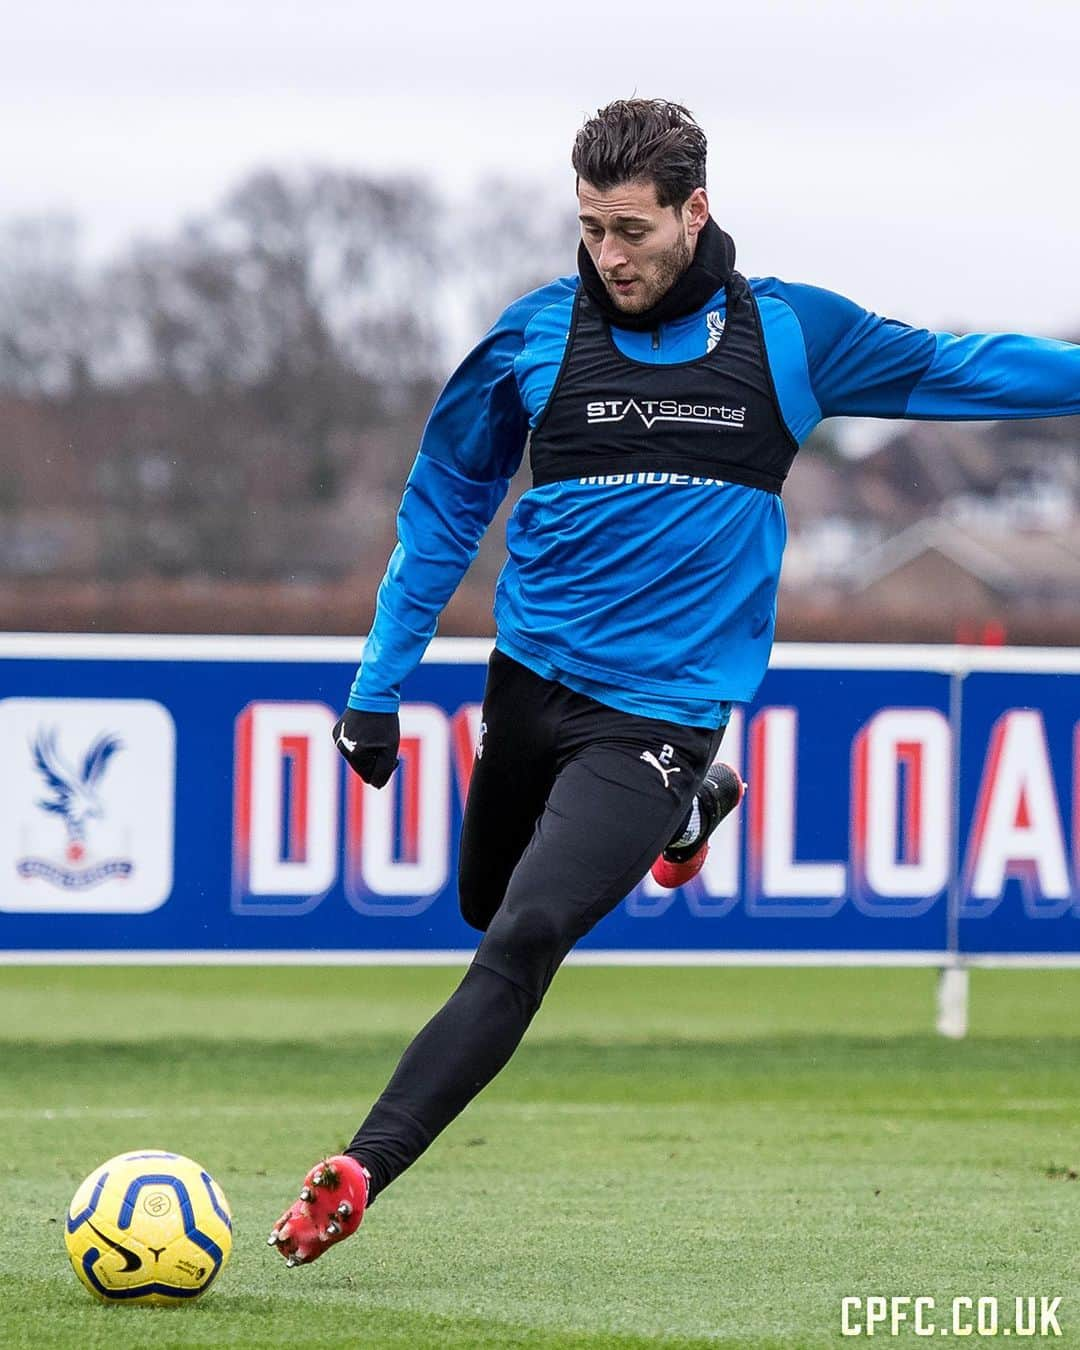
(861, 365)
(470, 449)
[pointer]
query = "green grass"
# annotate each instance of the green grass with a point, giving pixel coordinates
(677, 1158)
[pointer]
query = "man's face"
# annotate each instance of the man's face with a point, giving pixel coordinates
(639, 247)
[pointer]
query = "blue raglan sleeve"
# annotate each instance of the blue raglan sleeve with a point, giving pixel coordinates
(861, 365)
(471, 448)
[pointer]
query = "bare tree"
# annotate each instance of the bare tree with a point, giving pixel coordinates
(50, 326)
(509, 238)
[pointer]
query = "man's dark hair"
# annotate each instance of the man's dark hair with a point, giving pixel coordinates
(642, 138)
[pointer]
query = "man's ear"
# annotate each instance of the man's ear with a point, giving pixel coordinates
(695, 211)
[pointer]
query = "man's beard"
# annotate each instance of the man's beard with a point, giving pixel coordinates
(668, 268)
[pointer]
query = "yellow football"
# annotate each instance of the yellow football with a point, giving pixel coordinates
(148, 1227)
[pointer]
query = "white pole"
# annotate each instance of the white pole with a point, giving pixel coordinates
(952, 1002)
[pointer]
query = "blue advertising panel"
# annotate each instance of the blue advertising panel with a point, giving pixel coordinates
(1018, 876)
(170, 795)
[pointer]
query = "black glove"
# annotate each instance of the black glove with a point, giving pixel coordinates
(369, 741)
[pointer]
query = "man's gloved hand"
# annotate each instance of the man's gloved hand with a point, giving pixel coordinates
(369, 741)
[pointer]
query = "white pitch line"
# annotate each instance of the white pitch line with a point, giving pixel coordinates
(165, 1113)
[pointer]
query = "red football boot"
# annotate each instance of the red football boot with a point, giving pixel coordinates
(331, 1205)
(718, 796)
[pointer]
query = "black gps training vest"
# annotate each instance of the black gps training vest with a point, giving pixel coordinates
(715, 417)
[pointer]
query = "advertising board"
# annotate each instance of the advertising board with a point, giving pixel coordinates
(170, 795)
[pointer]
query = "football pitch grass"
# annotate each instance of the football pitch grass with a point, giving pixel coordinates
(682, 1157)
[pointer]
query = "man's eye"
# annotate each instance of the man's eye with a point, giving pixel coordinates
(634, 236)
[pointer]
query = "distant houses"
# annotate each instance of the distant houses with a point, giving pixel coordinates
(954, 523)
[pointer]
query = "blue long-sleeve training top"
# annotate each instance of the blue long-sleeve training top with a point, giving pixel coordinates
(659, 598)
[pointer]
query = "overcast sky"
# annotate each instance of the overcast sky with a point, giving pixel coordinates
(918, 156)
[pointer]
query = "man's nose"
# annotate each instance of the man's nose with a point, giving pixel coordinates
(611, 255)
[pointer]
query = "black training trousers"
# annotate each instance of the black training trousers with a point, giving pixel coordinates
(570, 802)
